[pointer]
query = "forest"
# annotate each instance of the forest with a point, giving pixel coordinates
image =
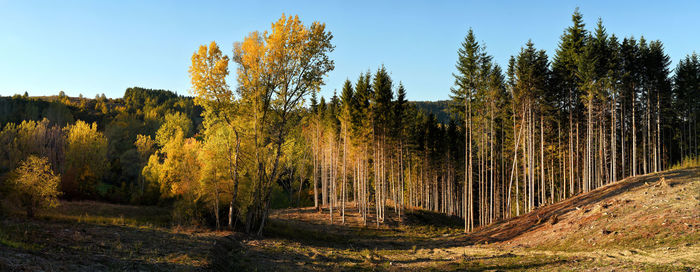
(253, 135)
(536, 133)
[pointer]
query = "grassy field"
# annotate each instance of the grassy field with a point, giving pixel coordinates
(649, 222)
(92, 236)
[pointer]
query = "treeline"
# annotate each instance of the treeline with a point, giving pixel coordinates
(97, 156)
(539, 132)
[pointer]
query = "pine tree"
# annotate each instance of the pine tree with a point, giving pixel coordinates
(467, 79)
(565, 79)
(347, 105)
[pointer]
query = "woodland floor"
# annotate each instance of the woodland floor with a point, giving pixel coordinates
(649, 222)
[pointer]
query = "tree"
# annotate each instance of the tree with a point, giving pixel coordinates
(565, 79)
(145, 147)
(399, 127)
(347, 105)
(531, 78)
(208, 75)
(173, 124)
(381, 109)
(362, 138)
(86, 153)
(35, 185)
(686, 102)
(468, 78)
(276, 71)
(215, 160)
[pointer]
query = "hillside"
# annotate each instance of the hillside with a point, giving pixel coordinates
(645, 212)
(644, 222)
(438, 108)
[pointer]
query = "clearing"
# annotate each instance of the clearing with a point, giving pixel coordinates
(649, 222)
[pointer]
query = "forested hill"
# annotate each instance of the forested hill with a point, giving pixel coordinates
(61, 109)
(49, 120)
(438, 108)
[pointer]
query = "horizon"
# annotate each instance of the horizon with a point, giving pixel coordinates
(92, 48)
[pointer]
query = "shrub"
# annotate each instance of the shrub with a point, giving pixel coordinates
(687, 162)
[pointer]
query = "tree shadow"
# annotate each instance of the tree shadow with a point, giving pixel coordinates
(309, 228)
(511, 228)
(72, 246)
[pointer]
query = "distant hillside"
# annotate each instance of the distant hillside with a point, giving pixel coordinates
(438, 108)
(61, 109)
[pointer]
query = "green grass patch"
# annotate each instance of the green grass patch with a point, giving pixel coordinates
(110, 214)
(17, 236)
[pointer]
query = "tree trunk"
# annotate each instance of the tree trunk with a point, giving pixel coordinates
(634, 138)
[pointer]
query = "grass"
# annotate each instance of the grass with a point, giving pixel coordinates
(110, 214)
(647, 224)
(13, 241)
(637, 224)
(88, 236)
(687, 162)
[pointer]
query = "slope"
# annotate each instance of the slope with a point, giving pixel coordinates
(649, 222)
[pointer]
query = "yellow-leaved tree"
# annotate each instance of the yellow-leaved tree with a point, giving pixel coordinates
(208, 75)
(176, 168)
(86, 159)
(276, 71)
(35, 185)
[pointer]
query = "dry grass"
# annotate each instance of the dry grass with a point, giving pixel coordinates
(649, 222)
(93, 236)
(687, 162)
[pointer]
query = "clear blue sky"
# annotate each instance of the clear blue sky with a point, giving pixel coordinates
(92, 47)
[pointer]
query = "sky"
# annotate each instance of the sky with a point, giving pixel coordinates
(94, 47)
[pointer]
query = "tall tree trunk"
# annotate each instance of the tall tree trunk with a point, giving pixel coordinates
(235, 181)
(658, 164)
(589, 146)
(634, 137)
(345, 175)
(571, 152)
(613, 141)
(543, 197)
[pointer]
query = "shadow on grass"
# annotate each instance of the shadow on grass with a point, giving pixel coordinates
(514, 227)
(86, 246)
(315, 233)
(510, 266)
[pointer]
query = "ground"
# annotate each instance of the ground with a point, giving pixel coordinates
(93, 236)
(649, 222)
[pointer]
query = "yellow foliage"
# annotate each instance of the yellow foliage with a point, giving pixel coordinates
(280, 67)
(208, 75)
(35, 184)
(86, 157)
(687, 162)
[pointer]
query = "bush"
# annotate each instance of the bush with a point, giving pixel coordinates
(687, 162)
(190, 212)
(34, 185)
